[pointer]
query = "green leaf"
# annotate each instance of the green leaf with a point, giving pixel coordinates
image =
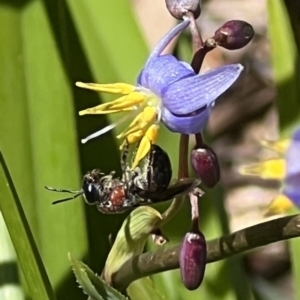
(22, 238)
(131, 238)
(144, 289)
(38, 132)
(45, 47)
(10, 285)
(119, 45)
(54, 148)
(285, 65)
(293, 8)
(91, 284)
(294, 246)
(14, 104)
(83, 279)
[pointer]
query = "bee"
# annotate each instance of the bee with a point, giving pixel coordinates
(148, 183)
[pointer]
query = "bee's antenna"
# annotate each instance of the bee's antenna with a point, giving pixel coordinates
(67, 199)
(61, 190)
(77, 194)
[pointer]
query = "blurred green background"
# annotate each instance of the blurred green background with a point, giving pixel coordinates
(45, 47)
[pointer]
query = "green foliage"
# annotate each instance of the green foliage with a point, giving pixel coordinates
(131, 238)
(43, 53)
(91, 284)
(285, 63)
(144, 289)
(21, 236)
(46, 46)
(284, 56)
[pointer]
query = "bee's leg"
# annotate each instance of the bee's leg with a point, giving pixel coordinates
(126, 173)
(150, 170)
(124, 156)
(138, 178)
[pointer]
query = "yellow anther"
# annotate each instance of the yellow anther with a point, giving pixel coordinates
(149, 114)
(115, 88)
(124, 103)
(133, 138)
(269, 169)
(143, 149)
(141, 121)
(151, 133)
(281, 204)
(278, 146)
(132, 124)
(96, 111)
(129, 100)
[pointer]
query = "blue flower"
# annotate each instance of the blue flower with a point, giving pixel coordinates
(285, 167)
(291, 182)
(167, 91)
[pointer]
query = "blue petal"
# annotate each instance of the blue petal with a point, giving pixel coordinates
(293, 195)
(188, 94)
(296, 135)
(185, 124)
(292, 177)
(292, 189)
(162, 72)
(165, 41)
(292, 157)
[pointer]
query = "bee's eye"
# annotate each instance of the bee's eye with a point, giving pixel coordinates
(91, 193)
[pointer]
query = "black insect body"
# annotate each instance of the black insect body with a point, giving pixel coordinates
(153, 174)
(109, 194)
(147, 183)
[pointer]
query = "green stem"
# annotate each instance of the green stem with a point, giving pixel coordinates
(229, 245)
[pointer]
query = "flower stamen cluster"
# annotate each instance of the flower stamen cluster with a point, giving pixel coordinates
(285, 167)
(168, 91)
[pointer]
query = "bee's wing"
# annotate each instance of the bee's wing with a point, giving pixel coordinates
(181, 187)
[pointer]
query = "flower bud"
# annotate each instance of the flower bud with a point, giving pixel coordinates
(192, 260)
(178, 8)
(206, 166)
(234, 34)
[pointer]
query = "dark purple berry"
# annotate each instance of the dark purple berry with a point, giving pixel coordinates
(178, 8)
(234, 34)
(206, 166)
(192, 260)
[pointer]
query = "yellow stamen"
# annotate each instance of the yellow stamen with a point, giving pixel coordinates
(278, 146)
(130, 100)
(143, 149)
(133, 123)
(269, 169)
(152, 132)
(133, 138)
(281, 204)
(124, 103)
(91, 111)
(145, 145)
(147, 116)
(115, 88)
